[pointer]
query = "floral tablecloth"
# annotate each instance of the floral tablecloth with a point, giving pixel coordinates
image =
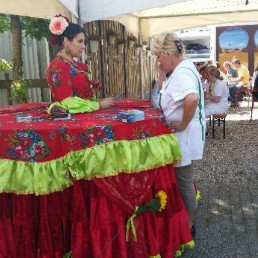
(71, 185)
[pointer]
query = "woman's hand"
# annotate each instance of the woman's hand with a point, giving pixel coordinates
(106, 103)
(207, 96)
(176, 126)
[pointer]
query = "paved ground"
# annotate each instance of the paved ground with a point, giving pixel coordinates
(227, 216)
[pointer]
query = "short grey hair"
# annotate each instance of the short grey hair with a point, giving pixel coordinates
(168, 43)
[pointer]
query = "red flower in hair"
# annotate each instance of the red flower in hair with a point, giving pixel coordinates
(54, 40)
(60, 15)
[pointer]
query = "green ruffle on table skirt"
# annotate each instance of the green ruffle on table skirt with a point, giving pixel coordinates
(189, 245)
(97, 162)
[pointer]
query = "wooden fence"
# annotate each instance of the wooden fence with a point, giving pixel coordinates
(131, 72)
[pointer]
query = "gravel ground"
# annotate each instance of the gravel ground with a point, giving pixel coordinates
(227, 176)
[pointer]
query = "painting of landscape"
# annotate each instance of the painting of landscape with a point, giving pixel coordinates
(239, 42)
(233, 43)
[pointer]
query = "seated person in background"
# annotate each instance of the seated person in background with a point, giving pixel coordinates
(216, 101)
(209, 63)
(232, 73)
(242, 80)
(68, 78)
(255, 88)
(203, 74)
(198, 66)
(222, 74)
(255, 73)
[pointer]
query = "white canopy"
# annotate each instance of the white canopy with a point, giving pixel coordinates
(152, 17)
(34, 8)
(149, 17)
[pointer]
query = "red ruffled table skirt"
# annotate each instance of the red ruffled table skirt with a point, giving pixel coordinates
(89, 219)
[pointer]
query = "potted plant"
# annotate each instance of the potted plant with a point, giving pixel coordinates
(94, 43)
(120, 46)
(111, 35)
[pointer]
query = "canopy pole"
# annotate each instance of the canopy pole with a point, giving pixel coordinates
(140, 61)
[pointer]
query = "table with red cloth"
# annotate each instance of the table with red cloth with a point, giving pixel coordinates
(70, 186)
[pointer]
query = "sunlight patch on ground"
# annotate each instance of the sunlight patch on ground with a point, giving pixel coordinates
(243, 112)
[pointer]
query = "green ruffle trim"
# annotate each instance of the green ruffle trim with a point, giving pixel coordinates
(189, 245)
(76, 105)
(198, 196)
(155, 256)
(100, 161)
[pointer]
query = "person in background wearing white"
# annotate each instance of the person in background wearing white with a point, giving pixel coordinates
(181, 98)
(216, 101)
(203, 74)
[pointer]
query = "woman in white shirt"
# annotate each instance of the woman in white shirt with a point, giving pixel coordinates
(216, 100)
(182, 100)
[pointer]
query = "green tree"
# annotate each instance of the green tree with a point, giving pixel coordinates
(35, 27)
(4, 23)
(22, 26)
(17, 46)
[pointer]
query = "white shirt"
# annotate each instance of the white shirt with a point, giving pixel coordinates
(218, 89)
(184, 80)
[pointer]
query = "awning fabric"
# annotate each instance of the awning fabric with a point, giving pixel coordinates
(151, 17)
(147, 17)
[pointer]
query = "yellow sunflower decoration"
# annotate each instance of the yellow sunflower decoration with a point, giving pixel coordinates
(154, 205)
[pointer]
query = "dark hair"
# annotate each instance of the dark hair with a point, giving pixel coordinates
(203, 68)
(70, 32)
(218, 64)
(236, 61)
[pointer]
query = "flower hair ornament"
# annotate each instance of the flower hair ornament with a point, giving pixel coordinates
(57, 26)
(179, 45)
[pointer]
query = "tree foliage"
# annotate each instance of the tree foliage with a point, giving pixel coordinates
(33, 27)
(4, 23)
(26, 26)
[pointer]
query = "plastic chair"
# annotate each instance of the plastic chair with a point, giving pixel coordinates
(247, 91)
